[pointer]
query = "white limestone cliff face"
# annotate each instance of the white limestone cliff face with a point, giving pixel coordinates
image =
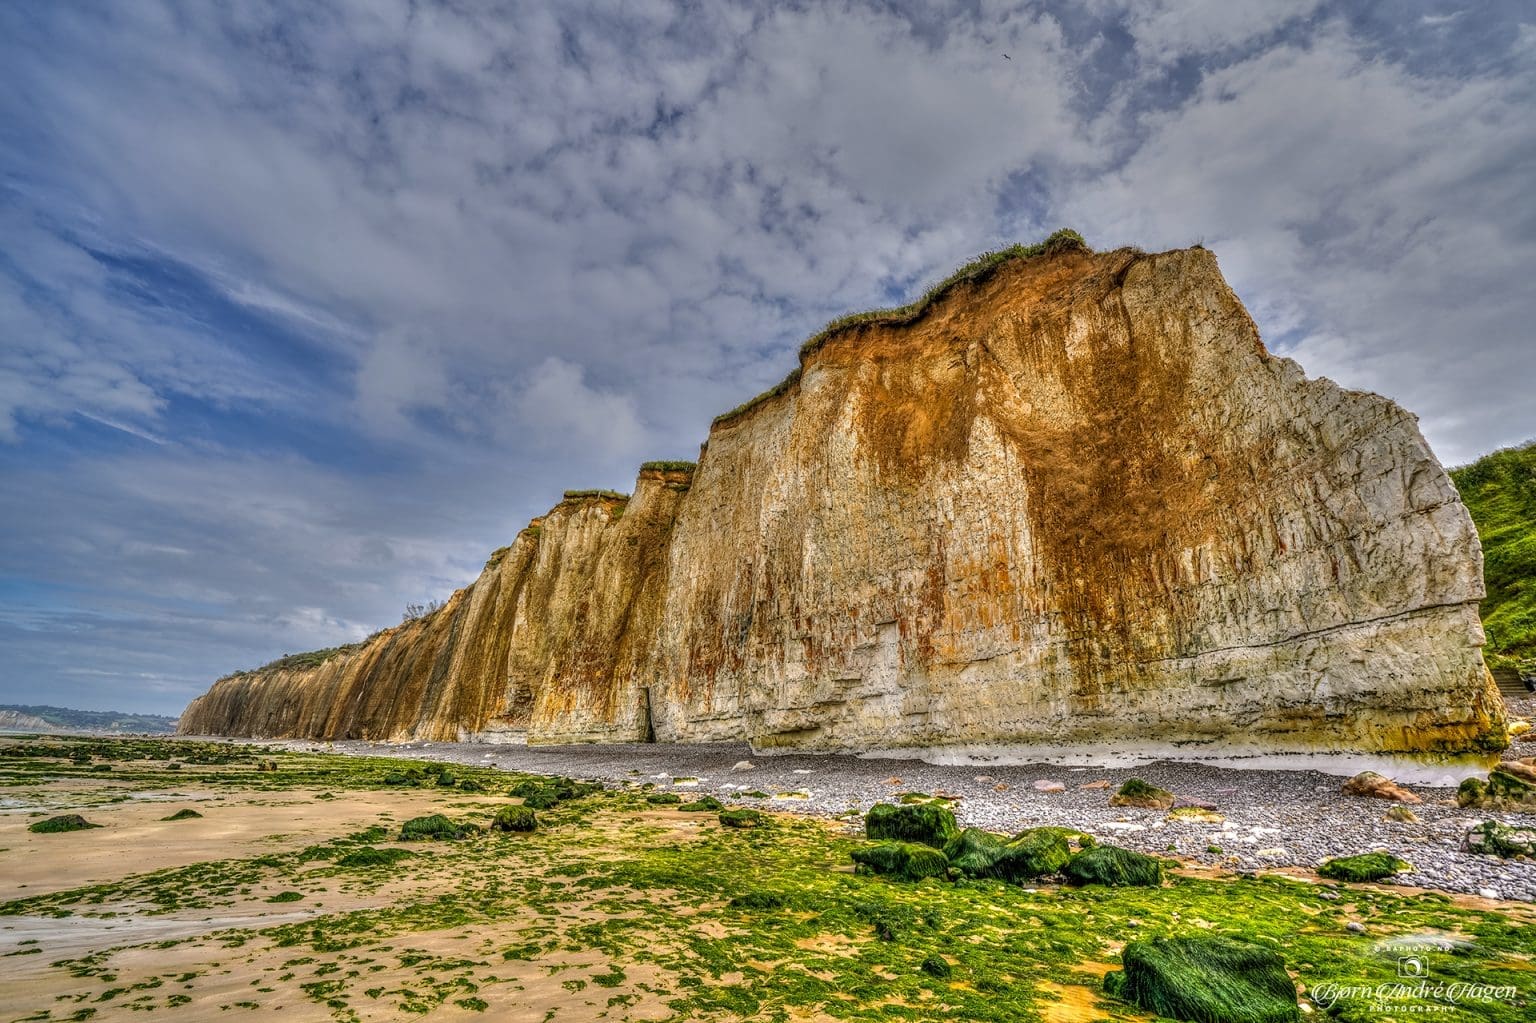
(1074, 503)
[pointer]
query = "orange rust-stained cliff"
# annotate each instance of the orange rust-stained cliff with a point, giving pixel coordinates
(1071, 502)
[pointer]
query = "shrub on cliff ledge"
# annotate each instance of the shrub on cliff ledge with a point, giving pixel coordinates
(928, 823)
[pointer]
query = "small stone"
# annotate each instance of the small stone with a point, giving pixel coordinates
(1000, 787)
(744, 765)
(1272, 854)
(1402, 815)
(985, 779)
(1355, 927)
(1045, 785)
(893, 780)
(1190, 801)
(1103, 783)
(1488, 893)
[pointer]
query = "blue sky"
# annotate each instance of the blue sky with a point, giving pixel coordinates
(305, 308)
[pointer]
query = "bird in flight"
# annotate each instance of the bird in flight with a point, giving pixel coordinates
(1006, 57)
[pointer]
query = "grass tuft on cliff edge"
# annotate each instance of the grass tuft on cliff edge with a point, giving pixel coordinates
(1499, 490)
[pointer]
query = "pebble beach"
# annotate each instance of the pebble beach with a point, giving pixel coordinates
(1269, 819)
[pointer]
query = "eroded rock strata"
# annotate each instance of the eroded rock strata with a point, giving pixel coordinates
(1073, 502)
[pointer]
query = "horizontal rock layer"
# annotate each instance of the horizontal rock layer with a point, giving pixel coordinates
(1074, 502)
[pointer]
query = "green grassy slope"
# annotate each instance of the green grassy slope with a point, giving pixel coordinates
(1500, 492)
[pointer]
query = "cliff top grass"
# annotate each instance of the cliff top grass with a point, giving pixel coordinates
(668, 466)
(1499, 490)
(606, 495)
(974, 271)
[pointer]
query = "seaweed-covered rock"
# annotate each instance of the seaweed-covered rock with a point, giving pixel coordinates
(1509, 786)
(1138, 793)
(544, 799)
(664, 798)
(63, 822)
(759, 899)
(471, 785)
(928, 823)
(702, 804)
(935, 966)
(184, 814)
(973, 851)
(1113, 866)
(515, 818)
(1206, 979)
(369, 856)
(1031, 854)
(1493, 838)
(1372, 866)
(743, 817)
(906, 861)
(433, 826)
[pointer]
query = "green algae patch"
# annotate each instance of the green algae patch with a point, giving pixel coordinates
(1206, 980)
(372, 856)
(62, 823)
(1374, 866)
(905, 861)
(928, 823)
(704, 804)
(1114, 867)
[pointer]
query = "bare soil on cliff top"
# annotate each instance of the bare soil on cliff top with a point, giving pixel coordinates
(294, 893)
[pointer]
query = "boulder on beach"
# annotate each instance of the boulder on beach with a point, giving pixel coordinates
(515, 818)
(1114, 867)
(1509, 786)
(1206, 978)
(1494, 838)
(1372, 866)
(929, 823)
(1138, 793)
(61, 823)
(1377, 786)
(906, 861)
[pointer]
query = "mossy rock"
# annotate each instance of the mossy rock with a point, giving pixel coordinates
(397, 778)
(470, 785)
(64, 822)
(287, 897)
(1138, 793)
(1206, 979)
(702, 805)
(1508, 787)
(515, 818)
(664, 798)
(935, 965)
(182, 815)
(526, 787)
(905, 861)
(743, 817)
(760, 899)
(1494, 838)
(1113, 866)
(544, 799)
(973, 851)
(434, 826)
(928, 823)
(1032, 854)
(369, 856)
(1372, 866)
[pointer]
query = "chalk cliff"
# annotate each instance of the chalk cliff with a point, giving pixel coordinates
(1072, 501)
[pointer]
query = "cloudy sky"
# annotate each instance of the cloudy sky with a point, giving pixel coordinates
(305, 307)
